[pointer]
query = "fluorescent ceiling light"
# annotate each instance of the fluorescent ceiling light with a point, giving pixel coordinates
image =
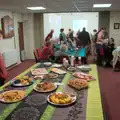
(36, 8)
(101, 5)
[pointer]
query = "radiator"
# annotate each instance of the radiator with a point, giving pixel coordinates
(10, 57)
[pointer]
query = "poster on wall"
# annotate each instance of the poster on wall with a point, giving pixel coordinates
(7, 27)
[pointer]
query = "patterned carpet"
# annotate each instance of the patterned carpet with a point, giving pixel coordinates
(14, 71)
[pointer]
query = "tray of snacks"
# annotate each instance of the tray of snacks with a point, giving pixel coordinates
(47, 76)
(47, 64)
(61, 98)
(12, 96)
(50, 76)
(71, 69)
(83, 76)
(84, 68)
(78, 83)
(39, 71)
(58, 71)
(45, 87)
(22, 81)
(57, 65)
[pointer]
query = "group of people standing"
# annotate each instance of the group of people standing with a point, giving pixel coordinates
(97, 43)
(104, 47)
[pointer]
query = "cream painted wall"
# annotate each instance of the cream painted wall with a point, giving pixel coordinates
(28, 26)
(6, 43)
(17, 18)
(13, 43)
(38, 30)
(115, 33)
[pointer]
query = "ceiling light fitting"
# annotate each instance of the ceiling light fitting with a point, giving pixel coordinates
(101, 5)
(36, 8)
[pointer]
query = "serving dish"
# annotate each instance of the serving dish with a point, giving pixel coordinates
(22, 81)
(39, 71)
(61, 99)
(57, 65)
(58, 71)
(83, 76)
(12, 96)
(78, 83)
(47, 63)
(45, 87)
(85, 68)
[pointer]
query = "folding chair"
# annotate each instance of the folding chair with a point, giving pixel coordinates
(37, 55)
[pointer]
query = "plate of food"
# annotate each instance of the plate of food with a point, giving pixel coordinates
(71, 69)
(45, 87)
(50, 76)
(12, 96)
(61, 98)
(84, 67)
(58, 71)
(78, 83)
(22, 81)
(39, 71)
(47, 63)
(83, 76)
(57, 65)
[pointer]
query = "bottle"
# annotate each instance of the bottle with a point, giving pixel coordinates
(72, 61)
(66, 63)
(79, 60)
(64, 60)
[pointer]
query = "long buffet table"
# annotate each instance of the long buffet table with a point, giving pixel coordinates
(35, 106)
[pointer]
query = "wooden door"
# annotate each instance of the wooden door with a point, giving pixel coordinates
(21, 38)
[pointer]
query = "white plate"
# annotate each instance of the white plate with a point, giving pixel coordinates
(47, 63)
(39, 71)
(57, 65)
(72, 69)
(20, 84)
(84, 67)
(46, 90)
(58, 71)
(2, 99)
(71, 95)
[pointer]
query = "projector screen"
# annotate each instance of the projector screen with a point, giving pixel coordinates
(79, 24)
(74, 21)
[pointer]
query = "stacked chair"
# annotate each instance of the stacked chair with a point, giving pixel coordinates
(42, 55)
(37, 54)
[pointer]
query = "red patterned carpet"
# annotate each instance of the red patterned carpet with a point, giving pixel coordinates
(109, 84)
(14, 71)
(110, 91)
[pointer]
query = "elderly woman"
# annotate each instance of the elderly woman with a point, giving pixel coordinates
(116, 58)
(62, 52)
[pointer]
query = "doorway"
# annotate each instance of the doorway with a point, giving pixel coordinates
(21, 40)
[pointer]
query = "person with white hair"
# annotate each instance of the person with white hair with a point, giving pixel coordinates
(116, 57)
